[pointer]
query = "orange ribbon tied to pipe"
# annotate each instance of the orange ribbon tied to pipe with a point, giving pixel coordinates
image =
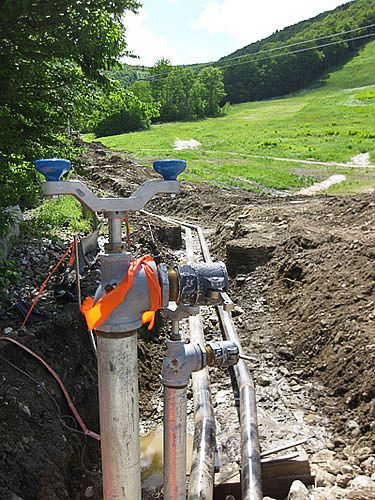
(97, 313)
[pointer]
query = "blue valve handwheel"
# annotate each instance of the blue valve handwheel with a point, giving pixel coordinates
(53, 168)
(169, 169)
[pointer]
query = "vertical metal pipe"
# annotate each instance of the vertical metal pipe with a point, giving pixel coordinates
(175, 443)
(115, 231)
(175, 334)
(119, 415)
(250, 452)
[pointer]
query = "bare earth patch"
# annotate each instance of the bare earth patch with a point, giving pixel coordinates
(188, 144)
(362, 160)
(322, 186)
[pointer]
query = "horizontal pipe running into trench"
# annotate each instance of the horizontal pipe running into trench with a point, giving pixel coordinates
(201, 482)
(251, 477)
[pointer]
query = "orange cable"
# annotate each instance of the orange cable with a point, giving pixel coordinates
(71, 260)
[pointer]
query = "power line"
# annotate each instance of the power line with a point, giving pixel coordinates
(300, 50)
(296, 43)
(251, 56)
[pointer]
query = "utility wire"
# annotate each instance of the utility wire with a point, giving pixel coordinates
(300, 50)
(222, 64)
(262, 51)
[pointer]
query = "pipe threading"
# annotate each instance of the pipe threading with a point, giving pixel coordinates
(173, 285)
(210, 356)
(114, 247)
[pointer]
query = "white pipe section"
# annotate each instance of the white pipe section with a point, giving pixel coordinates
(119, 415)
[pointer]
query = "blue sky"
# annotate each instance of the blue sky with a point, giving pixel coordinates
(191, 31)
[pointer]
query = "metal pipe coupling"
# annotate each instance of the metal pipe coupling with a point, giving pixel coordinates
(183, 359)
(180, 362)
(222, 354)
(199, 284)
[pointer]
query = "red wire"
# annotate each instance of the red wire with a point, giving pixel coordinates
(71, 246)
(73, 409)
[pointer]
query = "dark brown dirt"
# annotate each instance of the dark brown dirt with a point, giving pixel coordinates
(319, 285)
(312, 263)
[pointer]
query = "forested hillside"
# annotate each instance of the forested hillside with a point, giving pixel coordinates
(266, 69)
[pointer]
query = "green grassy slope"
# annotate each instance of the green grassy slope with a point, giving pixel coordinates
(331, 122)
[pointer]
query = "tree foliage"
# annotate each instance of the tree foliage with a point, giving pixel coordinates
(122, 111)
(54, 54)
(182, 93)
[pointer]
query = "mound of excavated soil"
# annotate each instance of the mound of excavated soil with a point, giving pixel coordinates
(310, 261)
(315, 263)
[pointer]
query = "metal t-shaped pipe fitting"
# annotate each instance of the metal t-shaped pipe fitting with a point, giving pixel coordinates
(128, 315)
(180, 362)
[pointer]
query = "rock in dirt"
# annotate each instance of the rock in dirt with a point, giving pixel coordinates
(298, 491)
(90, 492)
(285, 353)
(362, 482)
(263, 380)
(324, 478)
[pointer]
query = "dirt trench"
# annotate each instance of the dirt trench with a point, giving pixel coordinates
(302, 273)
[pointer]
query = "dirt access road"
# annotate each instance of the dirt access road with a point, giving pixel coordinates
(302, 275)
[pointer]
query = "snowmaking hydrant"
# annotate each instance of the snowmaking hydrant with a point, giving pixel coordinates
(130, 292)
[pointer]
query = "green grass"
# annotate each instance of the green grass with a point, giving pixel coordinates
(58, 218)
(332, 121)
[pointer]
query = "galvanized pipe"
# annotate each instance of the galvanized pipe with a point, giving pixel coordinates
(201, 481)
(250, 450)
(175, 401)
(115, 231)
(119, 415)
(251, 478)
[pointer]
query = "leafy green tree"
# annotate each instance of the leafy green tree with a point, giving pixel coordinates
(54, 54)
(143, 90)
(185, 93)
(211, 80)
(121, 112)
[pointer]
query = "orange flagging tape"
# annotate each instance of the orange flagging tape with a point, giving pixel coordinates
(73, 409)
(96, 314)
(71, 260)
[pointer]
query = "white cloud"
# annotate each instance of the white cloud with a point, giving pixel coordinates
(250, 20)
(144, 42)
